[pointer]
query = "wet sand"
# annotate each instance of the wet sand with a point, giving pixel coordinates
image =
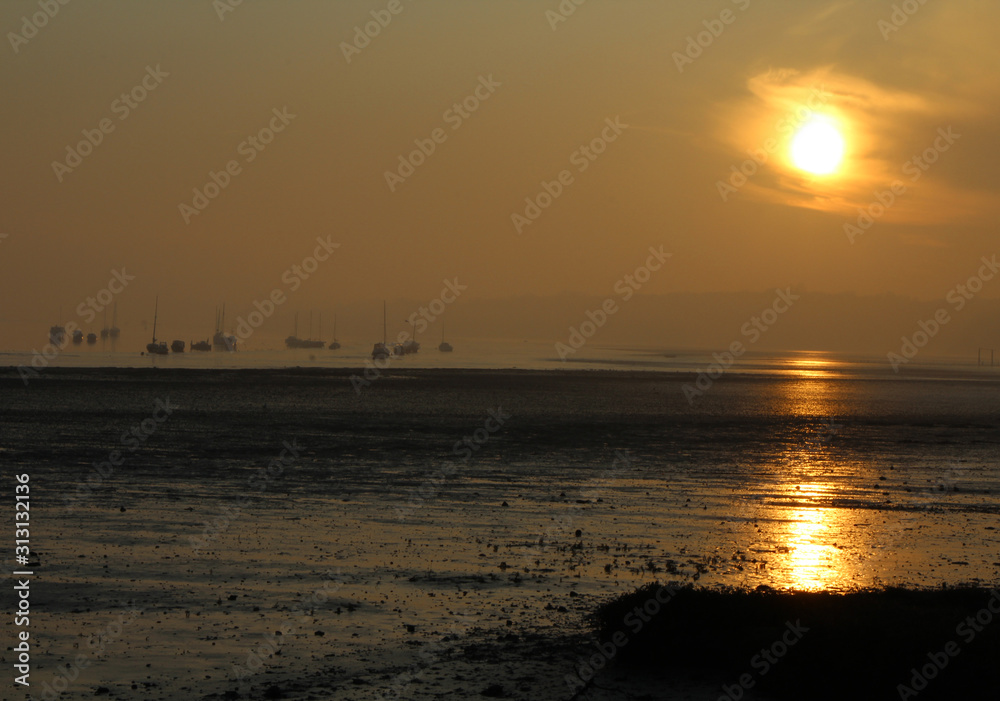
(392, 558)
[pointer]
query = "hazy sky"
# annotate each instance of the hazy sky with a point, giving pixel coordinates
(546, 88)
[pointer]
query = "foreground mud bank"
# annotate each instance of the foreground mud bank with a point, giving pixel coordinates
(869, 644)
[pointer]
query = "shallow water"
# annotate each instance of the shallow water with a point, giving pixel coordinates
(504, 354)
(826, 477)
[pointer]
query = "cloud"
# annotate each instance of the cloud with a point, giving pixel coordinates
(885, 127)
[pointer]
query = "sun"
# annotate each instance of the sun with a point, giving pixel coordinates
(818, 147)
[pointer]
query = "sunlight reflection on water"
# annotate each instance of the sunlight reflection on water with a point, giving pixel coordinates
(808, 529)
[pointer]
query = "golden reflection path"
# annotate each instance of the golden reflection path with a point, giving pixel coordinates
(812, 539)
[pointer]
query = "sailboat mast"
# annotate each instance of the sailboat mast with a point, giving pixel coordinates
(383, 323)
(156, 310)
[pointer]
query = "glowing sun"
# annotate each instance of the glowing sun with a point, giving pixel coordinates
(818, 147)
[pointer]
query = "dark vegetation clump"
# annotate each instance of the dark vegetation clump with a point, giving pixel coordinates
(866, 644)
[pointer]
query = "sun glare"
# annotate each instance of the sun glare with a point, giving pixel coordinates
(818, 147)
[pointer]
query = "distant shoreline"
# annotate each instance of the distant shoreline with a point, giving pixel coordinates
(615, 371)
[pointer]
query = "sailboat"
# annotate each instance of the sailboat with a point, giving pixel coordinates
(206, 345)
(154, 347)
(57, 335)
(221, 341)
(311, 342)
(335, 344)
(114, 331)
(77, 337)
(445, 347)
(410, 345)
(381, 351)
(294, 341)
(91, 338)
(105, 330)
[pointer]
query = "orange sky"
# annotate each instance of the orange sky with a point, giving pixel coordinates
(546, 88)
